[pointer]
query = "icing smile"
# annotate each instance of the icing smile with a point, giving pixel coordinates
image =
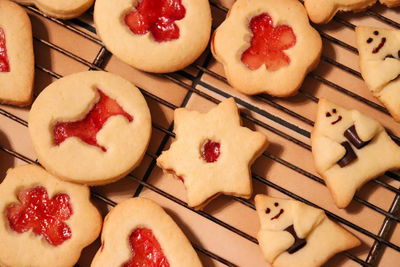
(381, 44)
(277, 215)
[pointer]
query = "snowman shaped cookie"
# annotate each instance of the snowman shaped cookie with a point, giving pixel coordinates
(350, 149)
(295, 234)
(379, 51)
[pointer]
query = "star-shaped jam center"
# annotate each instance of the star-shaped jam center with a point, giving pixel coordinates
(146, 251)
(4, 64)
(268, 43)
(157, 17)
(43, 215)
(87, 128)
(210, 151)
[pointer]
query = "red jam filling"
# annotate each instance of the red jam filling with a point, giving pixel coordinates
(157, 17)
(268, 43)
(43, 215)
(146, 251)
(87, 128)
(210, 151)
(4, 65)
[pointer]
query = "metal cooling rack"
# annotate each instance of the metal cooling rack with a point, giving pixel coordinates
(189, 82)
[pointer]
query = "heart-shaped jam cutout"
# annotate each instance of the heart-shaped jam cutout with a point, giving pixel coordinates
(4, 64)
(210, 151)
(157, 17)
(43, 215)
(146, 251)
(87, 128)
(268, 43)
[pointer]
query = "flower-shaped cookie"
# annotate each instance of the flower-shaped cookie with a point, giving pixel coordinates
(44, 220)
(212, 153)
(90, 127)
(154, 35)
(295, 234)
(16, 55)
(350, 149)
(146, 236)
(60, 8)
(267, 46)
(379, 51)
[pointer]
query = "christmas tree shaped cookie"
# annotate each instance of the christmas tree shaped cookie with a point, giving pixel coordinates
(350, 149)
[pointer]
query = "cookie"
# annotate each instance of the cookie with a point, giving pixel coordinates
(17, 65)
(323, 13)
(146, 235)
(263, 42)
(212, 153)
(390, 3)
(44, 220)
(379, 51)
(90, 127)
(60, 8)
(154, 35)
(295, 234)
(349, 149)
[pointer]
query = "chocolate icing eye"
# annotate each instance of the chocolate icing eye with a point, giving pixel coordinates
(276, 204)
(328, 114)
(376, 32)
(268, 210)
(334, 110)
(369, 40)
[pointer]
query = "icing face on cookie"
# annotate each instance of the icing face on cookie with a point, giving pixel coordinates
(336, 118)
(4, 65)
(87, 128)
(145, 249)
(274, 215)
(376, 42)
(157, 17)
(43, 215)
(268, 43)
(210, 151)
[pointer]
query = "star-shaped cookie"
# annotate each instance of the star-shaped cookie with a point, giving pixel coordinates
(295, 234)
(212, 153)
(350, 149)
(379, 51)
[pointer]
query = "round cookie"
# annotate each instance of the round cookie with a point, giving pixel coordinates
(60, 8)
(63, 210)
(16, 55)
(90, 127)
(141, 220)
(184, 36)
(267, 46)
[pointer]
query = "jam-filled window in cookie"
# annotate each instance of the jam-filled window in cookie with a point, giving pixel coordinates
(157, 17)
(44, 216)
(4, 64)
(210, 151)
(268, 44)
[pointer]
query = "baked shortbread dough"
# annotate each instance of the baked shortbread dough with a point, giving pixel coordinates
(350, 149)
(295, 234)
(139, 214)
(379, 51)
(390, 3)
(17, 65)
(121, 140)
(60, 8)
(142, 51)
(212, 153)
(323, 11)
(31, 249)
(292, 50)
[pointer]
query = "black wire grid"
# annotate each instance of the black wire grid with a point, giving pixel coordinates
(392, 216)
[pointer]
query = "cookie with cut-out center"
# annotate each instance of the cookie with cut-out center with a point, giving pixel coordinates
(43, 220)
(146, 236)
(60, 8)
(266, 46)
(295, 234)
(379, 51)
(324, 12)
(16, 55)
(154, 35)
(90, 127)
(212, 153)
(350, 149)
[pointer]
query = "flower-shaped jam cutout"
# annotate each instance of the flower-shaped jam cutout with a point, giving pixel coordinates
(268, 43)
(87, 128)
(146, 250)
(210, 151)
(43, 215)
(4, 64)
(157, 17)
